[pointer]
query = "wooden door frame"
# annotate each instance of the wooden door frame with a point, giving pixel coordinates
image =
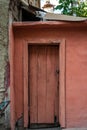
(62, 104)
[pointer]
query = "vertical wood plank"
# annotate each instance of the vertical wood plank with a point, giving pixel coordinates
(25, 58)
(51, 85)
(33, 83)
(62, 84)
(42, 85)
(56, 67)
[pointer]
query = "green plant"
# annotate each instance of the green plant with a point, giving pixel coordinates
(81, 10)
(72, 7)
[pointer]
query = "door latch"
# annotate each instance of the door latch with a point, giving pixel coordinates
(57, 71)
(55, 119)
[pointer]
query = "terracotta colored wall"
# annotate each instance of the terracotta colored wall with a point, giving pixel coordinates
(76, 68)
(76, 81)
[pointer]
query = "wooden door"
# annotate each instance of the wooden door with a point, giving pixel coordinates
(44, 84)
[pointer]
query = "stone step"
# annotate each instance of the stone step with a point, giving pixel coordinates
(56, 128)
(75, 129)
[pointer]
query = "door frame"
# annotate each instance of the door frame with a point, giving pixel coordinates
(62, 98)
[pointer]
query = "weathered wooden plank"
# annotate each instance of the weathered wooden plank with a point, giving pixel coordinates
(56, 62)
(42, 85)
(33, 83)
(50, 97)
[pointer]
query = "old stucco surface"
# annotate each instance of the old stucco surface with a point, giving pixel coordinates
(3, 43)
(4, 4)
(7, 7)
(75, 63)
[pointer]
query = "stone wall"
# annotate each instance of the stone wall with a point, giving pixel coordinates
(4, 5)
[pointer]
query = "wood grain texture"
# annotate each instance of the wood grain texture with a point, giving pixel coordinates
(50, 86)
(43, 84)
(33, 84)
(57, 71)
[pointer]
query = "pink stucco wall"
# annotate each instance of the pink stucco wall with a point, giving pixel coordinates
(76, 65)
(76, 79)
